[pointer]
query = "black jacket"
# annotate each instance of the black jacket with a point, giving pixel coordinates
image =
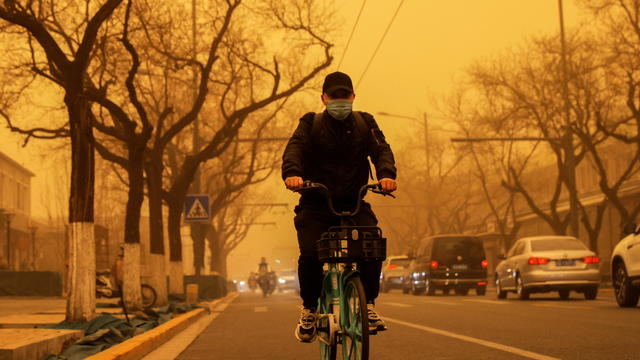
(336, 156)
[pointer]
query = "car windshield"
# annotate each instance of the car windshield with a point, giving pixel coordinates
(400, 262)
(463, 248)
(556, 244)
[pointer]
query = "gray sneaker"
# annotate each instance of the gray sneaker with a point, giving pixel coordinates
(375, 321)
(306, 330)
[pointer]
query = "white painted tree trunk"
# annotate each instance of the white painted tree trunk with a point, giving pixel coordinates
(158, 277)
(131, 281)
(176, 280)
(81, 281)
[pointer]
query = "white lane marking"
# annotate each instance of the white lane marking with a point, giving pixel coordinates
(260, 309)
(441, 302)
(490, 344)
(495, 302)
(397, 304)
(170, 350)
(558, 306)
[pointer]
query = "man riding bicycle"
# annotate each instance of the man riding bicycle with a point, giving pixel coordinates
(332, 148)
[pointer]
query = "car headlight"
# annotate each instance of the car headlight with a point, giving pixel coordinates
(282, 281)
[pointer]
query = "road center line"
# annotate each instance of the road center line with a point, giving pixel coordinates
(441, 302)
(490, 344)
(494, 302)
(260, 309)
(564, 306)
(397, 304)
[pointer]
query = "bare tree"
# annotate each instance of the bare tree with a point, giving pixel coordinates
(518, 98)
(619, 22)
(249, 85)
(65, 62)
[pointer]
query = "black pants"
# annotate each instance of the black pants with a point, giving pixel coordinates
(310, 223)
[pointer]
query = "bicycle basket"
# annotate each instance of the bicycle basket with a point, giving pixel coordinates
(342, 244)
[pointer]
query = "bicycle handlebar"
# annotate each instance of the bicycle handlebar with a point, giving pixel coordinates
(375, 188)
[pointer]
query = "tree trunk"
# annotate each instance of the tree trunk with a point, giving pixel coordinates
(131, 281)
(81, 301)
(218, 253)
(175, 246)
(81, 298)
(198, 235)
(157, 263)
(176, 277)
(131, 284)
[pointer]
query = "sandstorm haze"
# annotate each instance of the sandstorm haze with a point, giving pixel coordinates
(462, 68)
(426, 51)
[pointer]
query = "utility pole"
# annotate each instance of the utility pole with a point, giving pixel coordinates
(197, 229)
(426, 150)
(568, 141)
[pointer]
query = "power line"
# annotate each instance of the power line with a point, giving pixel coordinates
(353, 30)
(379, 43)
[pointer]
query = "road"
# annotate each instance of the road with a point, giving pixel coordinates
(436, 327)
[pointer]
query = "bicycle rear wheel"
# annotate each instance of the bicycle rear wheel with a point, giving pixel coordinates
(328, 343)
(149, 296)
(355, 336)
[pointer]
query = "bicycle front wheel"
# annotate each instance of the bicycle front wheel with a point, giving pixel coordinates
(355, 336)
(328, 347)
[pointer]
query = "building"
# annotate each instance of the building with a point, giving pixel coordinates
(17, 233)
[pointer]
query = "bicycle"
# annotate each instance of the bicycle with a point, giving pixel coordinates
(342, 304)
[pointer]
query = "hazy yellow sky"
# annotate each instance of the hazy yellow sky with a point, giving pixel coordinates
(429, 45)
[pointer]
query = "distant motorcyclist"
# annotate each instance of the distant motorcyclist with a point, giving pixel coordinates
(263, 267)
(266, 277)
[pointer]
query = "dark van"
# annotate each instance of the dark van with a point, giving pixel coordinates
(447, 262)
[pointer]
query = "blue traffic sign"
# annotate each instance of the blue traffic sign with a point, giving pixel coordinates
(197, 208)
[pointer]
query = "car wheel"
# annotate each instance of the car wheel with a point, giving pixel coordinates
(564, 294)
(415, 290)
(591, 293)
(481, 290)
(523, 294)
(430, 290)
(462, 291)
(499, 292)
(626, 295)
(405, 290)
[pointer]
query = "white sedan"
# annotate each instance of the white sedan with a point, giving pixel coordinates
(625, 268)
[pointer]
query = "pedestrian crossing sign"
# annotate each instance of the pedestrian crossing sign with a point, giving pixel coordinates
(196, 208)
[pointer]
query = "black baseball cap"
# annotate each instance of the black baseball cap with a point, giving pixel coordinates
(337, 81)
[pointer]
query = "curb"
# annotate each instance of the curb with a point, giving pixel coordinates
(139, 346)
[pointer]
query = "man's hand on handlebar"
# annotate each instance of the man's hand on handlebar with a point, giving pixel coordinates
(294, 182)
(388, 185)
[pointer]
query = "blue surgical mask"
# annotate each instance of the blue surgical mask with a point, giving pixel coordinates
(339, 109)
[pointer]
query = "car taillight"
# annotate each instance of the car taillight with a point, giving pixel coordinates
(481, 283)
(538, 261)
(484, 264)
(591, 259)
(434, 264)
(392, 267)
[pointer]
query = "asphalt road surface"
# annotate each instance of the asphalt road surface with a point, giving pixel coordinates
(436, 327)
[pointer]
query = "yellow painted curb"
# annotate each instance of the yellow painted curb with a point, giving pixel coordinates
(138, 346)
